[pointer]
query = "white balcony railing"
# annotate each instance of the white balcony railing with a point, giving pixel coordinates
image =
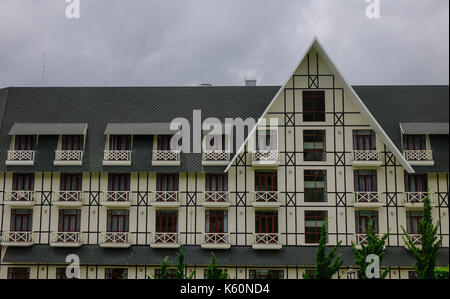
(165, 238)
(216, 238)
(18, 237)
(215, 155)
(21, 155)
(216, 196)
(267, 238)
(265, 156)
(416, 238)
(116, 237)
(166, 196)
(367, 197)
(166, 155)
(117, 155)
(361, 239)
(70, 196)
(366, 155)
(418, 155)
(415, 197)
(266, 196)
(68, 155)
(21, 196)
(66, 237)
(117, 196)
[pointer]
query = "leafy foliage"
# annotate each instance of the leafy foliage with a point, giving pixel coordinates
(181, 266)
(426, 253)
(326, 264)
(163, 270)
(441, 273)
(213, 271)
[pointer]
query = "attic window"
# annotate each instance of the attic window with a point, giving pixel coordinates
(313, 106)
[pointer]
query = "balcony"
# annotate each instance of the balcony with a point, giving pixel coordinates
(416, 238)
(265, 158)
(419, 157)
(166, 199)
(267, 241)
(414, 200)
(165, 240)
(116, 199)
(216, 199)
(117, 157)
(115, 240)
(361, 239)
(166, 158)
(20, 198)
(14, 238)
(366, 158)
(216, 241)
(65, 239)
(266, 199)
(20, 157)
(367, 200)
(215, 158)
(69, 199)
(68, 158)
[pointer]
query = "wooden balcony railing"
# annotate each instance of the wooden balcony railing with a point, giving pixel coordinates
(166, 196)
(361, 239)
(267, 238)
(117, 155)
(415, 197)
(117, 196)
(18, 237)
(116, 237)
(265, 156)
(166, 155)
(216, 196)
(366, 155)
(70, 196)
(165, 238)
(21, 196)
(266, 196)
(418, 155)
(216, 238)
(68, 155)
(21, 155)
(367, 197)
(66, 237)
(215, 155)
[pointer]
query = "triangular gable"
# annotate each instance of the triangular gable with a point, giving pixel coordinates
(356, 100)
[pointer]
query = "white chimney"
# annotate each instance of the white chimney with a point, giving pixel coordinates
(250, 81)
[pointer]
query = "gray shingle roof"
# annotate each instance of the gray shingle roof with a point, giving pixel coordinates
(195, 255)
(392, 105)
(48, 129)
(139, 129)
(425, 128)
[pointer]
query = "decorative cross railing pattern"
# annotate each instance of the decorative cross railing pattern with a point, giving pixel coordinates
(216, 238)
(362, 238)
(265, 155)
(215, 155)
(21, 155)
(418, 155)
(169, 155)
(166, 196)
(20, 195)
(266, 196)
(63, 155)
(416, 239)
(25, 237)
(415, 197)
(367, 197)
(70, 196)
(267, 238)
(116, 237)
(117, 196)
(117, 155)
(216, 196)
(66, 237)
(366, 155)
(165, 238)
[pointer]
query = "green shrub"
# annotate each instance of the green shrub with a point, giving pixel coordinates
(441, 273)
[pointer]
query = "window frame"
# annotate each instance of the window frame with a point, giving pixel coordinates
(323, 190)
(314, 96)
(316, 216)
(314, 134)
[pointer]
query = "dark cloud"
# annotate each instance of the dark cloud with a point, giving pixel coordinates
(186, 42)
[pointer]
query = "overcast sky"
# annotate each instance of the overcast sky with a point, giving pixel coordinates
(187, 42)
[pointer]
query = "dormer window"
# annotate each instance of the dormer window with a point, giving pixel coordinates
(417, 150)
(165, 154)
(119, 150)
(70, 150)
(23, 150)
(266, 152)
(415, 142)
(215, 150)
(24, 142)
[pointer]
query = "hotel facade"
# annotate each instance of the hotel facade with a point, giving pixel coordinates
(90, 171)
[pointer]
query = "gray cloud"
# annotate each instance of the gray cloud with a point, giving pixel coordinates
(186, 42)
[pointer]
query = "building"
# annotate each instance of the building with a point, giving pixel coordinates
(89, 171)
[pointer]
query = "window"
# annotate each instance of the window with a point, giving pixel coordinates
(117, 221)
(413, 219)
(314, 145)
(163, 143)
(167, 182)
(70, 182)
(266, 222)
(23, 181)
(166, 221)
(215, 142)
(69, 221)
(216, 222)
(266, 181)
(365, 181)
(171, 273)
(416, 182)
(363, 218)
(61, 273)
(414, 142)
(313, 225)
(266, 274)
(18, 273)
(313, 106)
(266, 140)
(315, 185)
(116, 273)
(364, 140)
(24, 142)
(21, 220)
(72, 142)
(120, 142)
(216, 182)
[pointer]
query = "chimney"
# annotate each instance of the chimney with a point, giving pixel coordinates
(205, 85)
(250, 81)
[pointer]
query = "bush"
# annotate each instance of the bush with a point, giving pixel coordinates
(441, 273)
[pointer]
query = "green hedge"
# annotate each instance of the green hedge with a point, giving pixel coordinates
(441, 273)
